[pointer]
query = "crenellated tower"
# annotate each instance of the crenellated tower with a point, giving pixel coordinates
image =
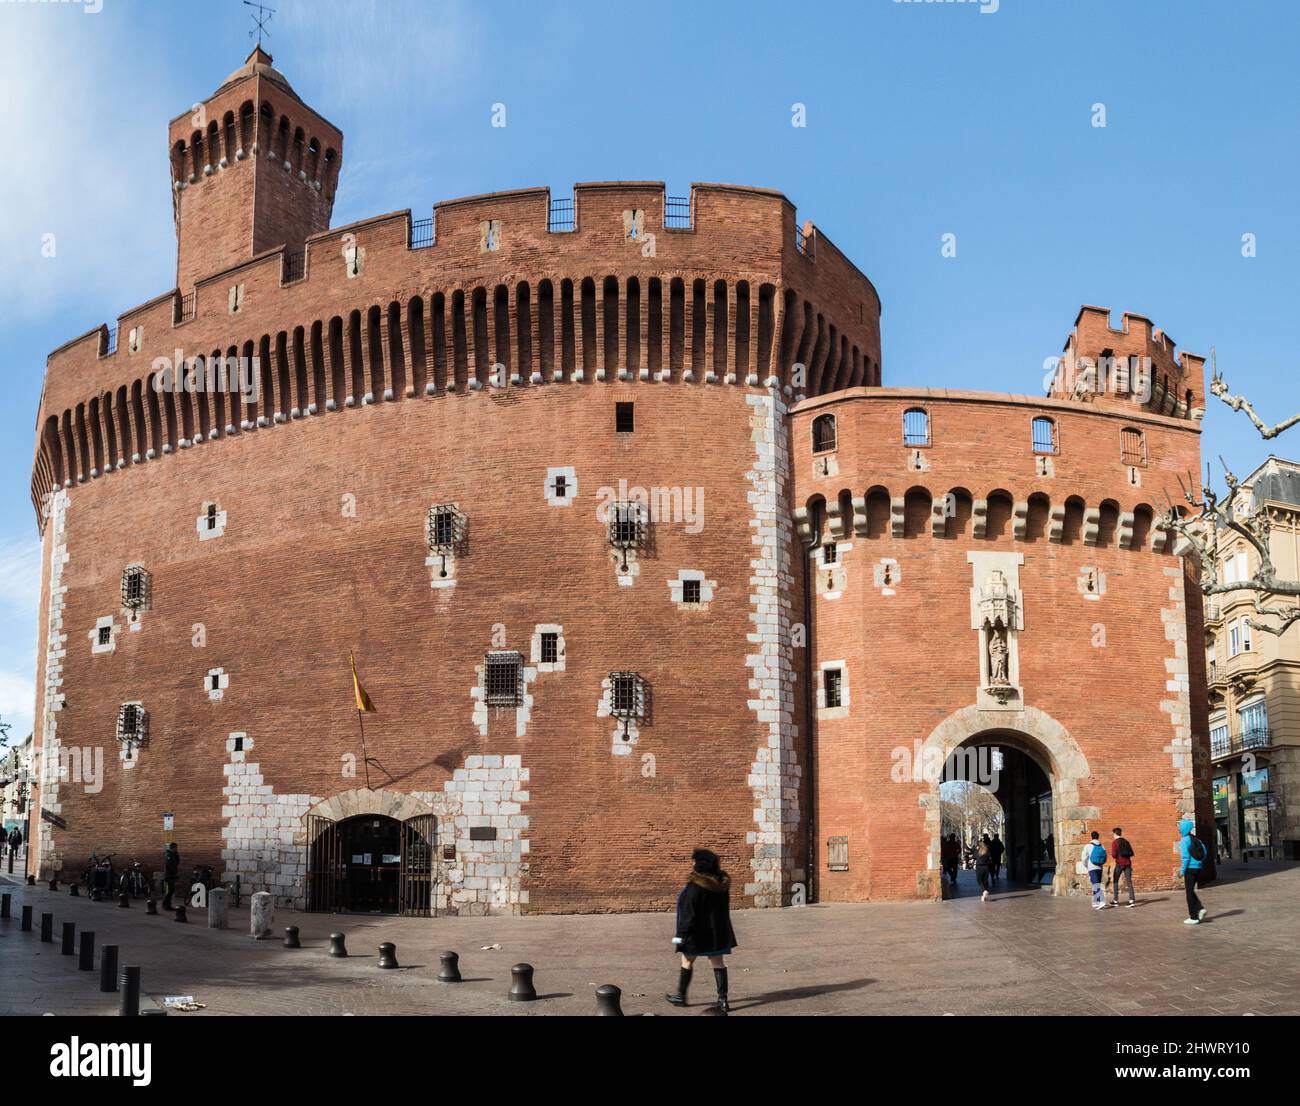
(253, 168)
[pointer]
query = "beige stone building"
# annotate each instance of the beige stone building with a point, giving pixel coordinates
(1254, 684)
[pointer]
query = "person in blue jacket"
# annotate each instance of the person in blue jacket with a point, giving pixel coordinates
(1194, 853)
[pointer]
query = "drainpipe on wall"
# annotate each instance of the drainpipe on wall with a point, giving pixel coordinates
(809, 696)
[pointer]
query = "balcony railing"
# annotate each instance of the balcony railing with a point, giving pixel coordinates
(421, 233)
(677, 212)
(1213, 611)
(293, 267)
(112, 341)
(1240, 743)
(562, 218)
(803, 242)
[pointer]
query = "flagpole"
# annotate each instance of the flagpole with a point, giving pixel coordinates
(365, 758)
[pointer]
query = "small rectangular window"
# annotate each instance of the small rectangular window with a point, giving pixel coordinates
(105, 635)
(502, 679)
(626, 524)
(837, 854)
(916, 427)
(1044, 435)
(690, 591)
(445, 528)
(1133, 447)
(550, 647)
(829, 553)
(135, 587)
(212, 516)
(624, 421)
(832, 679)
(626, 695)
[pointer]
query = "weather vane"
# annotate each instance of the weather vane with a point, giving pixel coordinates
(262, 18)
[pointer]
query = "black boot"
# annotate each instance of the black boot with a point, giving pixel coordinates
(678, 997)
(720, 978)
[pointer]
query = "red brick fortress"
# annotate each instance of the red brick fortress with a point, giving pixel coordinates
(557, 473)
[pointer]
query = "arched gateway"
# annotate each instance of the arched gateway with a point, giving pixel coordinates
(1036, 780)
(371, 852)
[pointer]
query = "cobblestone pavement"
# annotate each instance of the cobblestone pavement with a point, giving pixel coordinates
(1023, 952)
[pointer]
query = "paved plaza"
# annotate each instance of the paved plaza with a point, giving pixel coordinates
(1023, 952)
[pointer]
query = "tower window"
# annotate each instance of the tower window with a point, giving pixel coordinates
(211, 518)
(1043, 433)
(550, 647)
(131, 725)
(626, 524)
(624, 422)
(829, 553)
(691, 591)
(1132, 447)
(503, 679)
(832, 684)
(823, 432)
(916, 427)
(105, 635)
(135, 587)
(561, 486)
(446, 528)
(626, 695)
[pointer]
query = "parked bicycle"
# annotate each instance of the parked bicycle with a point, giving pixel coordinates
(133, 881)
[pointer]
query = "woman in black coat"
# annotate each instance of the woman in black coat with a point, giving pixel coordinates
(704, 925)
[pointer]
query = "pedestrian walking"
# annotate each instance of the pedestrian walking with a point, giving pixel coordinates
(704, 925)
(171, 871)
(950, 857)
(983, 864)
(1194, 852)
(1121, 855)
(999, 850)
(1093, 861)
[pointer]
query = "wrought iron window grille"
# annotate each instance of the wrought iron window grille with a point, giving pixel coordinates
(503, 679)
(627, 527)
(445, 531)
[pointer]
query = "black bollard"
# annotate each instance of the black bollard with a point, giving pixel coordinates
(607, 1001)
(69, 938)
(150, 907)
(156, 1011)
(31, 881)
(86, 961)
(338, 946)
(180, 914)
(73, 891)
(129, 982)
(449, 972)
(108, 969)
(54, 885)
(27, 918)
(47, 928)
(291, 938)
(388, 955)
(124, 899)
(521, 983)
(4, 905)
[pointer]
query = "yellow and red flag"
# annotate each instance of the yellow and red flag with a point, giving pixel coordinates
(364, 702)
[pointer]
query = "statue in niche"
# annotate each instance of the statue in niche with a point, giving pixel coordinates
(997, 656)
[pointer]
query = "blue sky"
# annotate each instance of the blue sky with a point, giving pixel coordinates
(922, 120)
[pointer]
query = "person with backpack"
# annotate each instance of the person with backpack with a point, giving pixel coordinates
(1194, 853)
(704, 926)
(998, 849)
(1121, 854)
(983, 864)
(1093, 861)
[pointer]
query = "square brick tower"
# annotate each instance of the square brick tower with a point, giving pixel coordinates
(253, 169)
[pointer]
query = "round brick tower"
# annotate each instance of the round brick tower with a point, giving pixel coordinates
(525, 461)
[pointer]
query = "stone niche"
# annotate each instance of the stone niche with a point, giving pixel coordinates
(997, 616)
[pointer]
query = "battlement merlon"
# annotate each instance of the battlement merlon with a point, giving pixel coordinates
(736, 233)
(1103, 364)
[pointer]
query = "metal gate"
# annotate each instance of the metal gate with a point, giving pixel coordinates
(416, 876)
(324, 864)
